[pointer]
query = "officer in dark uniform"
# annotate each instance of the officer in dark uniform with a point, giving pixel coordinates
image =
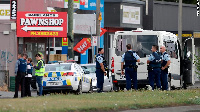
(154, 67)
(20, 71)
(130, 58)
(164, 70)
(100, 69)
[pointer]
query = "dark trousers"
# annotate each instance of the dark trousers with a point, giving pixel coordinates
(100, 80)
(19, 79)
(27, 86)
(131, 75)
(154, 75)
(164, 80)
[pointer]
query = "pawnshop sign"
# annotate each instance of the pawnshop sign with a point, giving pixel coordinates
(41, 24)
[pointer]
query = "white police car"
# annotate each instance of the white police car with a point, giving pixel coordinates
(66, 77)
(90, 70)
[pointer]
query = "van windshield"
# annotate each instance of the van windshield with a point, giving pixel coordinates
(140, 43)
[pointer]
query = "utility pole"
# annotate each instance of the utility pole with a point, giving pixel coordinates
(70, 29)
(180, 24)
(98, 24)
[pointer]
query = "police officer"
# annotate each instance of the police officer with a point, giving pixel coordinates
(20, 71)
(100, 69)
(130, 58)
(164, 70)
(39, 72)
(154, 68)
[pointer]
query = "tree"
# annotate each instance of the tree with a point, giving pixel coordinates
(197, 64)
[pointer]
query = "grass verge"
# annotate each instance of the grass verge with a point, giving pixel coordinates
(112, 101)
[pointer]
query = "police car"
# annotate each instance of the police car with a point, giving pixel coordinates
(90, 71)
(66, 77)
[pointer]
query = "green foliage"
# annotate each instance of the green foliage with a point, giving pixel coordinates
(197, 64)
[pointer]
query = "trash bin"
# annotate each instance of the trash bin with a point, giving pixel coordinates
(12, 83)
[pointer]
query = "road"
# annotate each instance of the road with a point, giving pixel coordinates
(10, 94)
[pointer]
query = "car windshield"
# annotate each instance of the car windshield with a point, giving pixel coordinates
(91, 68)
(58, 67)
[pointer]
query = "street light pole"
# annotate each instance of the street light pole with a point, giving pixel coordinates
(70, 29)
(98, 24)
(180, 24)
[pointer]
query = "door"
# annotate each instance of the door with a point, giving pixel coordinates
(33, 48)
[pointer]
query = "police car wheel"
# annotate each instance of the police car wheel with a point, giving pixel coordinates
(44, 93)
(169, 86)
(91, 89)
(79, 90)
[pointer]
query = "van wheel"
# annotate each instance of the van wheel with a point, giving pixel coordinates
(79, 90)
(115, 88)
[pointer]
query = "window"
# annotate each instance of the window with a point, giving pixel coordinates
(142, 44)
(91, 69)
(172, 49)
(58, 42)
(58, 67)
(51, 42)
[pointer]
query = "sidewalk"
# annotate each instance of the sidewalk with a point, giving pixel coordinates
(11, 94)
(192, 108)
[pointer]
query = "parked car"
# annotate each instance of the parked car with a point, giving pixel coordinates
(65, 77)
(90, 70)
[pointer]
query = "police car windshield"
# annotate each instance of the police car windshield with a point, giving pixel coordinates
(90, 68)
(58, 67)
(140, 43)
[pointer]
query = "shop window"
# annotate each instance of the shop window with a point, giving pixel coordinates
(51, 42)
(58, 42)
(58, 51)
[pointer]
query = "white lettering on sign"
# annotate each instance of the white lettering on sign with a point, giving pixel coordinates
(41, 15)
(82, 46)
(41, 22)
(14, 10)
(93, 4)
(197, 7)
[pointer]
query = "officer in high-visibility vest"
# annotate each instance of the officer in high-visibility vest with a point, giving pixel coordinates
(164, 70)
(154, 67)
(130, 58)
(100, 69)
(39, 72)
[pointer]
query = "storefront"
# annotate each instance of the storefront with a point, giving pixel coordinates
(34, 29)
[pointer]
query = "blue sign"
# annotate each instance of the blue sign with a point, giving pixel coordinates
(91, 5)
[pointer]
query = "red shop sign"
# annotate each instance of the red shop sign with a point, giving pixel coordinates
(41, 24)
(83, 45)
